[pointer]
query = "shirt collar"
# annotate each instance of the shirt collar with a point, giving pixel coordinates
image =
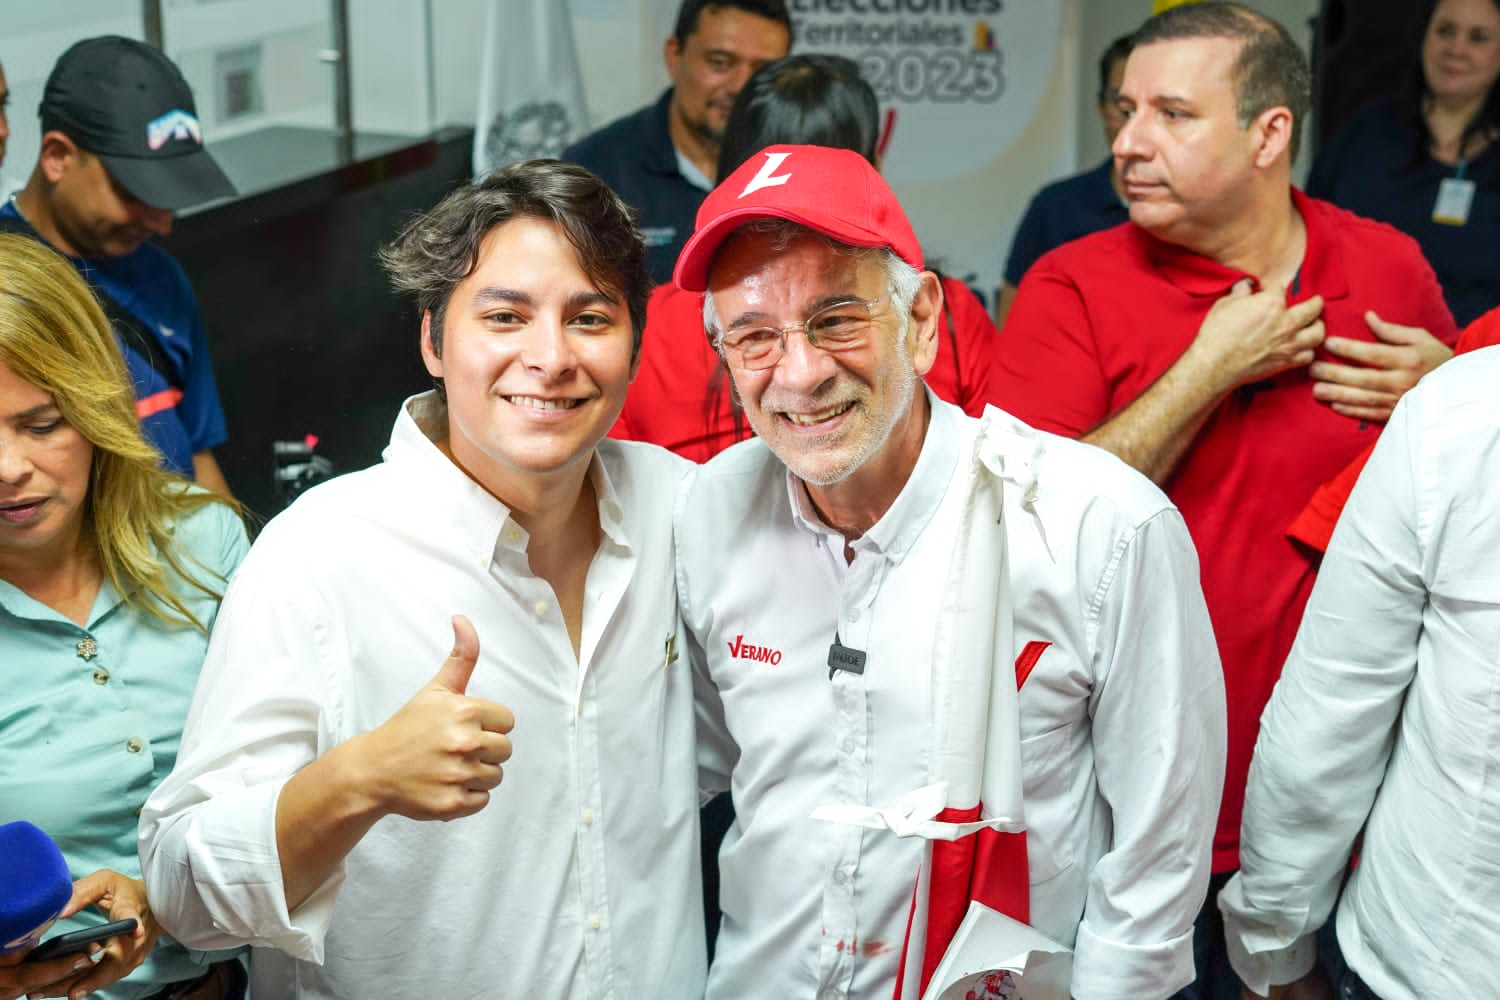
(15, 601)
(1322, 262)
(898, 529)
(611, 512)
(690, 172)
(658, 149)
(444, 493)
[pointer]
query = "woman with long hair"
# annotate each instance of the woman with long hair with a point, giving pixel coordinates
(1428, 160)
(111, 572)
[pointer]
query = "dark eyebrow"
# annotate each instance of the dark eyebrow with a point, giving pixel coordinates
(594, 298)
(35, 411)
(493, 296)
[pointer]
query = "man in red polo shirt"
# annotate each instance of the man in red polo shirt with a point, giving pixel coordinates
(1236, 341)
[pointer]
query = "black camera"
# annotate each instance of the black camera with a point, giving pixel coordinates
(297, 466)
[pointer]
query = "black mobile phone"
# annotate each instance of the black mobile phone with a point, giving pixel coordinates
(73, 942)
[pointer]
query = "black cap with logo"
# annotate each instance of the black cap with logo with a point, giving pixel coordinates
(126, 103)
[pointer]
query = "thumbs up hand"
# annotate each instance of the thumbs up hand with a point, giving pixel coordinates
(456, 670)
(441, 753)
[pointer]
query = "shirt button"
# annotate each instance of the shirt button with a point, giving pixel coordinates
(854, 614)
(541, 608)
(101, 676)
(133, 745)
(588, 817)
(594, 922)
(848, 746)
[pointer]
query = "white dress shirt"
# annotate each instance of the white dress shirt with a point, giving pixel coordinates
(581, 876)
(1122, 719)
(1387, 717)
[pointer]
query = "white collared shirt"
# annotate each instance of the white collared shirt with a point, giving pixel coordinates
(1122, 719)
(1387, 717)
(581, 876)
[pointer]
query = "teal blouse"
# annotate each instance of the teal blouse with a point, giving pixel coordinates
(90, 720)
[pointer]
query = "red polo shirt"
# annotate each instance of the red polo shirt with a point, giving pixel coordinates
(680, 398)
(1097, 321)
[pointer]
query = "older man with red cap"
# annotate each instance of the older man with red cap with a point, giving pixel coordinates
(943, 659)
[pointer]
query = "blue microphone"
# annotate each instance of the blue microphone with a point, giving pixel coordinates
(34, 885)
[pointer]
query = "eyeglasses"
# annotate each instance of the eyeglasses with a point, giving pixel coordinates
(842, 326)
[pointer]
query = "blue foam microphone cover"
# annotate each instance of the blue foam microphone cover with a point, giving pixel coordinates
(34, 885)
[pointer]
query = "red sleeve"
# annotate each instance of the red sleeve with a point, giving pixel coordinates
(978, 347)
(1483, 332)
(642, 418)
(1314, 526)
(1048, 372)
(634, 422)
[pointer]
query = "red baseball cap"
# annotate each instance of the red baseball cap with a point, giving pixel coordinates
(833, 191)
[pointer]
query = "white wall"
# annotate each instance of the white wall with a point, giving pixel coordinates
(389, 66)
(619, 46)
(35, 35)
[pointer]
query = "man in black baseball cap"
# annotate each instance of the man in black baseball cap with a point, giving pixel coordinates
(126, 103)
(121, 151)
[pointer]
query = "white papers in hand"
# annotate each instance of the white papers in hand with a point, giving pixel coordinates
(993, 957)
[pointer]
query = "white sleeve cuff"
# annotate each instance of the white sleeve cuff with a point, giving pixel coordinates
(234, 872)
(1261, 955)
(1263, 969)
(1105, 969)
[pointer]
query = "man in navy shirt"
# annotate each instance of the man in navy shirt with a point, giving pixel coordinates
(122, 151)
(661, 159)
(1078, 205)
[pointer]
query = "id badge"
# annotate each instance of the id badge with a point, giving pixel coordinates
(1455, 198)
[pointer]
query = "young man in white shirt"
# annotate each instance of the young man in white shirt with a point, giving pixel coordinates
(320, 748)
(894, 570)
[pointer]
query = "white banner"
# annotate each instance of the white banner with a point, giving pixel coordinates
(530, 94)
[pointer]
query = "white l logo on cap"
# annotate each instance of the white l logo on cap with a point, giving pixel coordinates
(766, 177)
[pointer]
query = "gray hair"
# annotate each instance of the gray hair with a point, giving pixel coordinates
(902, 280)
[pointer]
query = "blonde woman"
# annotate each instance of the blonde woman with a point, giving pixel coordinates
(111, 572)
